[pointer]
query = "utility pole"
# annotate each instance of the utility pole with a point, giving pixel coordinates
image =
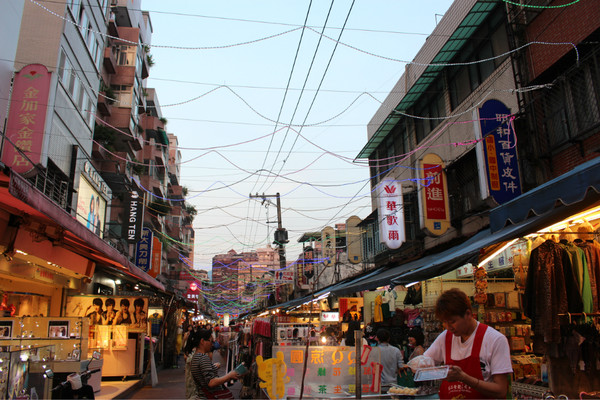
(281, 237)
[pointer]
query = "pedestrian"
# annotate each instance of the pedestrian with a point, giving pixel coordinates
(478, 355)
(390, 359)
(208, 384)
(415, 343)
(193, 340)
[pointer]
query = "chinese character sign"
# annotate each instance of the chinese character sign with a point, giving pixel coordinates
(330, 370)
(328, 245)
(26, 119)
(143, 250)
(434, 195)
(391, 214)
(156, 257)
(500, 150)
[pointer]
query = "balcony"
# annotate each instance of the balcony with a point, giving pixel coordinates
(110, 60)
(104, 105)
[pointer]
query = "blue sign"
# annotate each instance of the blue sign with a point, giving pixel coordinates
(500, 150)
(143, 251)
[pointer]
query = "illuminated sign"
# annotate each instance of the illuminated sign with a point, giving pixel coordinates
(91, 207)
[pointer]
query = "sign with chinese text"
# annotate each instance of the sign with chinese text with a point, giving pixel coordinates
(330, 371)
(330, 316)
(156, 257)
(285, 275)
(143, 250)
(305, 268)
(353, 240)
(193, 293)
(500, 151)
(328, 245)
(434, 195)
(26, 119)
(391, 214)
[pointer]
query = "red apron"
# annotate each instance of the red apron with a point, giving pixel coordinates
(459, 390)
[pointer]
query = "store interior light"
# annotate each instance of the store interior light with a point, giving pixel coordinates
(494, 254)
(411, 284)
(586, 216)
(21, 252)
(117, 281)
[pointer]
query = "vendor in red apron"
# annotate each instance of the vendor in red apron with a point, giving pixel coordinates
(478, 355)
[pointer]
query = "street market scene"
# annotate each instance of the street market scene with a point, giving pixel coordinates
(331, 200)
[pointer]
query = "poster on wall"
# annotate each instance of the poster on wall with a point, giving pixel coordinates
(111, 310)
(59, 329)
(91, 207)
(6, 328)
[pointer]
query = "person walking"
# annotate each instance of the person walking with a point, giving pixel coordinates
(390, 359)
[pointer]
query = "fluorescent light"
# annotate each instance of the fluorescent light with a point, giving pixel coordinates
(494, 254)
(411, 284)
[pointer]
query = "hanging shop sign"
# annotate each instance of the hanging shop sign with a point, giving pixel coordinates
(391, 214)
(435, 208)
(26, 119)
(193, 292)
(134, 208)
(353, 240)
(500, 151)
(305, 268)
(156, 257)
(143, 250)
(328, 245)
(91, 207)
(284, 275)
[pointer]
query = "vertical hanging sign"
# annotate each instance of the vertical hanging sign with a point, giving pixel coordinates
(328, 245)
(143, 250)
(434, 196)
(500, 151)
(156, 257)
(26, 119)
(391, 214)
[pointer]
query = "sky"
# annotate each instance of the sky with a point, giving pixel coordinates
(272, 97)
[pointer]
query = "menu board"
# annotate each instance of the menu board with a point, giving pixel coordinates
(330, 371)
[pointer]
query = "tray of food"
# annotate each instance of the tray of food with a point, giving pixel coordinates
(401, 392)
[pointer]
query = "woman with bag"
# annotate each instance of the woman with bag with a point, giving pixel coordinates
(208, 384)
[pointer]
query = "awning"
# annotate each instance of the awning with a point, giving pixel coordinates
(568, 189)
(20, 197)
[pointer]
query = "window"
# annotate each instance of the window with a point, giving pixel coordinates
(123, 95)
(463, 187)
(125, 55)
(83, 22)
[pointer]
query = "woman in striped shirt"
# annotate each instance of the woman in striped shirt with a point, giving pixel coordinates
(205, 373)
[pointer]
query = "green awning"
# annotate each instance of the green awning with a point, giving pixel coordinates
(455, 43)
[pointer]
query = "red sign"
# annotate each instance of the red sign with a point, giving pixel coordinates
(435, 201)
(26, 119)
(156, 257)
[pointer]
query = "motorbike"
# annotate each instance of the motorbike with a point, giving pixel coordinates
(75, 387)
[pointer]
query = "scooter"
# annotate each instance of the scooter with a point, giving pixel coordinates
(75, 387)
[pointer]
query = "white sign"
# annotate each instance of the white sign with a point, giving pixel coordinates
(465, 271)
(330, 316)
(391, 214)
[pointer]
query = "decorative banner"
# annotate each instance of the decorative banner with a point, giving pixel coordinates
(156, 257)
(353, 240)
(328, 245)
(500, 151)
(134, 208)
(26, 119)
(110, 310)
(434, 196)
(143, 250)
(391, 214)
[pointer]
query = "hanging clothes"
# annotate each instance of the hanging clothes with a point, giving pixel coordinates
(551, 289)
(592, 254)
(377, 313)
(580, 268)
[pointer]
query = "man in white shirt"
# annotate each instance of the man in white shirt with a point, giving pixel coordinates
(478, 355)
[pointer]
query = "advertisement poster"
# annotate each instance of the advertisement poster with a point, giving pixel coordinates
(91, 207)
(111, 310)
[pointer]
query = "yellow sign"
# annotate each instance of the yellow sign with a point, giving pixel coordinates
(266, 369)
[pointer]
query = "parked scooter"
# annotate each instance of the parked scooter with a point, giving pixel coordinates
(75, 387)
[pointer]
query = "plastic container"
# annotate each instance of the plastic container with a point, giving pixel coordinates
(431, 373)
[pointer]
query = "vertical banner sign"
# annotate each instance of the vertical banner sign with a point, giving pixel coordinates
(500, 151)
(391, 214)
(156, 257)
(353, 240)
(307, 268)
(328, 245)
(133, 218)
(434, 195)
(26, 119)
(143, 251)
